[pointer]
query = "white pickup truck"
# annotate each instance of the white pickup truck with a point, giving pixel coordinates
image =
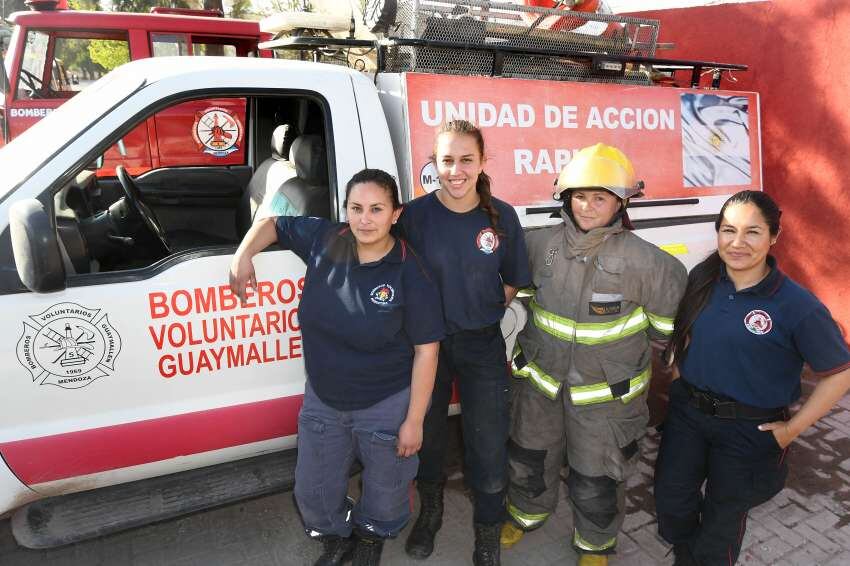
(127, 357)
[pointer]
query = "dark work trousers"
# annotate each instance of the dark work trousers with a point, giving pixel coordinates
(478, 359)
(742, 467)
(328, 442)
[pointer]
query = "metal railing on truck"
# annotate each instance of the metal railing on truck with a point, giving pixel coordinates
(475, 37)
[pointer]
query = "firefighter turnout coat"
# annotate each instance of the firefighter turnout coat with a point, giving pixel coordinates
(584, 360)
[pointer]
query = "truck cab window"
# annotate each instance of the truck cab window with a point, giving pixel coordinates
(169, 45)
(60, 65)
(127, 219)
(213, 49)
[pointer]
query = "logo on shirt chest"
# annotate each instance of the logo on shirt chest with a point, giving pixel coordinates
(382, 294)
(758, 322)
(487, 241)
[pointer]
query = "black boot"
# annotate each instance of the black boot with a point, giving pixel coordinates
(337, 551)
(486, 545)
(367, 549)
(420, 542)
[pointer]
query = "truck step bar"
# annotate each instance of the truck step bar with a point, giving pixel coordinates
(76, 517)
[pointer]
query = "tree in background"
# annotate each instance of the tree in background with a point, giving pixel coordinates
(108, 53)
(10, 6)
(240, 9)
(144, 6)
(91, 5)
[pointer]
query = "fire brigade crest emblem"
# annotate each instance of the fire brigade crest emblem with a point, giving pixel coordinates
(217, 131)
(68, 345)
(382, 294)
(487, 240)
(758, 322)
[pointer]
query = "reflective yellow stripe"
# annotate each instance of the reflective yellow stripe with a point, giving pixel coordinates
(675, 249)
(545, 383)
(557, 326)
(526, 292)
(527, 520)
(662, 324)
(584, 545)
(601, 392)
(590, 333)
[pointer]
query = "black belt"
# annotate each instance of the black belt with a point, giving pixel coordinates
(723, 407)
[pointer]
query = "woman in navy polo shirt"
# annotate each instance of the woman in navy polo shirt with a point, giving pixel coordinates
(474, 245)
(371, 321)
(742, 334)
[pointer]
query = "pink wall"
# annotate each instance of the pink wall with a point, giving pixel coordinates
(799, 59)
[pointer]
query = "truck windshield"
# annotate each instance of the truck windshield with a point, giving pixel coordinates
(26, 153)
(6, 54)
(61, 63)
(32, 66)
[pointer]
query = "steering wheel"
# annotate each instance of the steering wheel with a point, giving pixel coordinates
(32, 82)
(134, 198)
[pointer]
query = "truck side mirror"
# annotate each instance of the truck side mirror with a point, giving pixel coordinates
(36, 247)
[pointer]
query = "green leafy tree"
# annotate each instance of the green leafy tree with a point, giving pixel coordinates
(89, 5)
(108, 54)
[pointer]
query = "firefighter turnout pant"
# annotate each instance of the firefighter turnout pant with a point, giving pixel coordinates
(600, 442)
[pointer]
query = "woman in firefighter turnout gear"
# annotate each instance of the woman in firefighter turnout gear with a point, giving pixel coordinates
(584, 357)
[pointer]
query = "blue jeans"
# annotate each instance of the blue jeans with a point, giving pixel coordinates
(477, 358)
(328, 442)
(742, 467)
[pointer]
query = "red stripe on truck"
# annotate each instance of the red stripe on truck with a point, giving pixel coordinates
(72, 454)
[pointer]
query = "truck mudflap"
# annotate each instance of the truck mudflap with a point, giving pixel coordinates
(66, 519)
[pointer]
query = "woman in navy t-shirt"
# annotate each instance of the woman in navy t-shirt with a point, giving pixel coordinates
(473, 244)
(742, 334)
(371, 321)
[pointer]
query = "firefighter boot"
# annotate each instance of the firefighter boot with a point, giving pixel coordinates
(511, 534)
(367, 549)
(337, 551)
(592, 560)
(420, 542)
(486, 545)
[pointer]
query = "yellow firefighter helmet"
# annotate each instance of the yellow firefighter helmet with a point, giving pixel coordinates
(599, 166)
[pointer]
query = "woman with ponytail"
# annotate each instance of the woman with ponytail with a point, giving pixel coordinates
(474, 246)
(742, 334)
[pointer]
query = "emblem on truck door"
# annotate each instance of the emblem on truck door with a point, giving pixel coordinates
(217, 131)
(68, 345)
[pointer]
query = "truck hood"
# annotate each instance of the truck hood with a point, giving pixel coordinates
(29, 151)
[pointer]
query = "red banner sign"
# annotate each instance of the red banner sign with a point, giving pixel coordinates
(682, 142)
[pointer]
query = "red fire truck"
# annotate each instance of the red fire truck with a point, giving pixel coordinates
(54, 53)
